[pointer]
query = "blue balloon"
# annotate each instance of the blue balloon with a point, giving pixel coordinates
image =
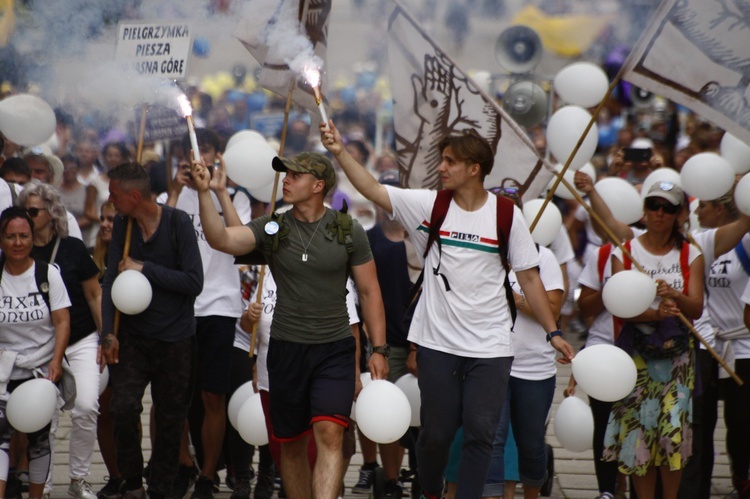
(201, 46)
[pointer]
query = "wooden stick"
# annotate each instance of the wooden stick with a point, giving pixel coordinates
(575, 151)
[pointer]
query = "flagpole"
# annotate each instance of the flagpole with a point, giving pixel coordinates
(575, 151)
(277, 175)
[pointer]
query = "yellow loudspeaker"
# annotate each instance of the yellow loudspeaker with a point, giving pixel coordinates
(526, 103)
(518, 49)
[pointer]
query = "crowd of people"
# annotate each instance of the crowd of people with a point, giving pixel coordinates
(81, 210)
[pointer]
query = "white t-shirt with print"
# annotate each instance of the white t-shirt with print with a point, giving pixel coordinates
(726, 281)
(666, 267)
(473, 318)
(601, 331)
(221, 283)
(534, 356)
(25, 320)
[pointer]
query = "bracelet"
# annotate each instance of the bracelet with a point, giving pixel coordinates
(522, 304)
(553, 334)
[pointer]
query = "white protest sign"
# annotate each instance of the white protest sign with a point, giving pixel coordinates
(156, 48)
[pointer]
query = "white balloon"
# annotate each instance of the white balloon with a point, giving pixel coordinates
(248, 163)
(549, 224)
(582, 83)
(574, 425)
(251, 422)
(242, 136)
(742, 195)
(365, 379)
(103, 380)
(409, 384)
(628, 294)
(663, 174)
(383, 412)
(622, 199)
(26, 119)
(563, 191)
(707, 176)
(32, 405)
(264, 193)
(131, 292)
(736, 152)
(606, 372)
(237, 400)
(565, 128)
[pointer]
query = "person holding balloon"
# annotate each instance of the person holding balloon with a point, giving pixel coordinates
(35, 335)
(650, 430)
(80, 275)
(157, 344)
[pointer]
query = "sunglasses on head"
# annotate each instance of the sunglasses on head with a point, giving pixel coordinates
(34, 212)
(653, 204)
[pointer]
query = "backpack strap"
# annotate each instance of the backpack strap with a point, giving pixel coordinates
(41, 270)
(604, 251)
(626, 262)
(13, 193)
(743, 257)
(685, 265)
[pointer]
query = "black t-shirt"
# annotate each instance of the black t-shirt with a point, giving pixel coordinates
(76, 265)
(393, 276)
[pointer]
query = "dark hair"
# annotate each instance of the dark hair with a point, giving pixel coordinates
(361, 147)
(134, 176)
(15, 165)
(205, 136)
(13, 213)
(71, 158)
(472, 148)
(120, 146)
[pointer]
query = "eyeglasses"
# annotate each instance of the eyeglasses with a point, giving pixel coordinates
(109, 219)
(652, 204)
(34, 212)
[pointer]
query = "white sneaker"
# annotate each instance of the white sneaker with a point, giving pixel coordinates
(80, 489)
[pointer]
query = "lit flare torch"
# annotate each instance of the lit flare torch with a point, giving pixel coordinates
(187, 112)
(312, 76)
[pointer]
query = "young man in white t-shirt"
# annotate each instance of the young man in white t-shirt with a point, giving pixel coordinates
(462, 328)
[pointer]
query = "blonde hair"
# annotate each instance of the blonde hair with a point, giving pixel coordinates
(101, 248)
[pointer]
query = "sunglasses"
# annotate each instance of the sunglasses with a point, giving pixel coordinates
(109, 219)
(34, 212)
(508, 191)
(653, 204)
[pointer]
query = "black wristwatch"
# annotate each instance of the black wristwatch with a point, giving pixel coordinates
(384, 350)
(553, 334)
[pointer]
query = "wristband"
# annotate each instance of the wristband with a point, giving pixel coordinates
(553, 334)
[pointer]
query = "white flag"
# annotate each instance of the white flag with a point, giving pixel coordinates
(433, 98)
(272, 32)
(697, 53)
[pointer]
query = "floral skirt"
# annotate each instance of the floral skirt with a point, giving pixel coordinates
(653, 425)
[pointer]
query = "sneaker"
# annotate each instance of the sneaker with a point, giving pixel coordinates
(393, 489)
(241, 489)
(605, 495)
(147, 472)
(80, 489)
(186, 476)
(204, 488)
(114, 489)
(23, 476)
(264, 486)
(364, 485)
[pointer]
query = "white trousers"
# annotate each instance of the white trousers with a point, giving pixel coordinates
(82, 359)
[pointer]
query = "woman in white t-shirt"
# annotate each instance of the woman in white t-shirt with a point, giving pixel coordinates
(651, 428)
(35, 332)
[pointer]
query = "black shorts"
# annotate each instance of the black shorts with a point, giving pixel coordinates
(215, 336)
(309, 383)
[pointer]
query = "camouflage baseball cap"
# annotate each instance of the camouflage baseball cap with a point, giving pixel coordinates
(314, 163)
